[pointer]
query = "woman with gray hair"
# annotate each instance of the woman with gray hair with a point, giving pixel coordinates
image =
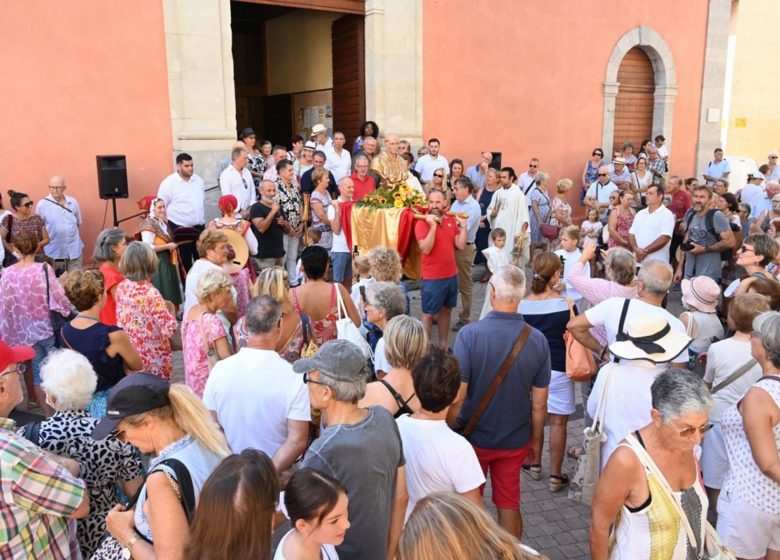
(749, 502)
(68, 382)
(204, 338)
(633, 497)
(109, 247)
(404, 343)
(384, 300)
(141, 311)
(539, 203)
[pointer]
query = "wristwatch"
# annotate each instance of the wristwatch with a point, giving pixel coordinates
(127, 550)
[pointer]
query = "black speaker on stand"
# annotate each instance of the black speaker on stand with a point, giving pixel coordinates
(112, 181)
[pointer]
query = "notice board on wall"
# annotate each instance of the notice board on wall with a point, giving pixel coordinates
(310, 108)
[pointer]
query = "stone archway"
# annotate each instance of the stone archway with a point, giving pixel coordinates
(657, 50)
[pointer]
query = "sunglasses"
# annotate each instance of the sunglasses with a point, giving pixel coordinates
(533, 165)
(597, 154)
(689, 431)
(744, 248)
(28, 204)
(307, 379)
(602, 174)
(438, 175)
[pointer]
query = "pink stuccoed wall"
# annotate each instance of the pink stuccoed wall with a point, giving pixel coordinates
(81, 78)
(525, 77)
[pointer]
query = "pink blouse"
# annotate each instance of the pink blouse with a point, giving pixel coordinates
(24, 312)
(196, 362)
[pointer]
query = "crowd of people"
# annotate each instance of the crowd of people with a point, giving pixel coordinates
(315, 417)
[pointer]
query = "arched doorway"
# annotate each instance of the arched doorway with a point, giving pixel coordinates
(634, 102)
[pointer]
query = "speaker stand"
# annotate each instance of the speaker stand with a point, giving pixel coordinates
(118, 221)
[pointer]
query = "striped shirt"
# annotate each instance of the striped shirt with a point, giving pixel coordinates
(36, 498)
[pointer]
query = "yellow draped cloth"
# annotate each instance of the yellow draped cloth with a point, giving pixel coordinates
(379, 227)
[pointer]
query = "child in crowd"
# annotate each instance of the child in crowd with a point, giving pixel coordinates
(569, 253)
(312, 237)
(437, 459)
(700, 300)
(361, 267)
(496, 258)
(591, 233)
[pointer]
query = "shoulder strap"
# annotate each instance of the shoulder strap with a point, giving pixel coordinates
(771, 378)
(622, 323)
(32, 432)
(63, 339)
(185, 485)
(647, 462)
(48, 292)
(307, 330)
(396, 395)
(734, 376)
(709, 221)
(519, 343)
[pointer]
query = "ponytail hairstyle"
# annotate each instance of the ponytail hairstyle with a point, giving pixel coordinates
(545, 266)
(311, 495)
(188, 412)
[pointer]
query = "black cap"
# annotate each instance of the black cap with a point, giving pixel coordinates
(245, 133)
(134, 394)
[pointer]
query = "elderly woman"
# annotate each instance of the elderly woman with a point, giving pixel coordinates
(749, 504)
(296, 329)
(730, 371)
(633, 493)
(107, 347)
(319, 299)
(141, 311)
(561, 209)
(641, 179)
(545, 310)
(204, 338)
(539, 203)
(22, 219)
(109, 246)
(384, 300)
(29, 292)
(320, 201)
(156, 233)
(69, 381)
(405, 342)
(768, 220)
(213, 251)
(168, 422)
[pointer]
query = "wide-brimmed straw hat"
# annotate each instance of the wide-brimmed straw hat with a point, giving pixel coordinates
(649, 337)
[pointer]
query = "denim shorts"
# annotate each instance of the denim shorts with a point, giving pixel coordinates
(439, 293)
(342, 266)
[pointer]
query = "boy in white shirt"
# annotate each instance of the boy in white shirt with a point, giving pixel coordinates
(570, 254)
(437, 459)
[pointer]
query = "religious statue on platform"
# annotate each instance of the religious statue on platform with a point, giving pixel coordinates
(389, 165)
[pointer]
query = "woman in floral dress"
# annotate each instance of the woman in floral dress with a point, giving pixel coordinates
(539, 203)
(202, 332)
(22, 219)
(141, 311)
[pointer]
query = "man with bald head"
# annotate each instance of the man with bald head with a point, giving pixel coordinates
(478, 172)
(63, 218)
(389, 166)
(340, 252)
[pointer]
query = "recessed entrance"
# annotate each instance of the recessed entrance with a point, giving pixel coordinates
(634, 102)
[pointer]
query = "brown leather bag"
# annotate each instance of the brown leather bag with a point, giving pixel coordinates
(580, 363)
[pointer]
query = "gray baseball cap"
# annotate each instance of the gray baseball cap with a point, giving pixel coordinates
(338, 359)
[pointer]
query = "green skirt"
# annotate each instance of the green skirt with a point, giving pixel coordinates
(166, 279)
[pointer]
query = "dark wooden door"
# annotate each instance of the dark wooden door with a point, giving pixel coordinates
(349, 83)
(634, 103)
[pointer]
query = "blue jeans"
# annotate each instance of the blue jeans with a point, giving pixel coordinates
(42, 349)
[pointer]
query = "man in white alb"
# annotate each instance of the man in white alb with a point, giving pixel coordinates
(508, 210)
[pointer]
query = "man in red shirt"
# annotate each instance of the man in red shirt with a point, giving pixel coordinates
(438, 241)
(679, 204)
(363, 180)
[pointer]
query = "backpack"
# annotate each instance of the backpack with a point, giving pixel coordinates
(709, 223)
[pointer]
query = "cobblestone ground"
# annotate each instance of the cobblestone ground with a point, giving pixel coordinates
(553, 524)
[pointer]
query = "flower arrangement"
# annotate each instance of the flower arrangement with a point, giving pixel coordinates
(398, 195)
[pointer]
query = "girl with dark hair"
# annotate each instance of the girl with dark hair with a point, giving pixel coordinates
(317, 507)
(241, 493)
(368, 128)
(22, 219)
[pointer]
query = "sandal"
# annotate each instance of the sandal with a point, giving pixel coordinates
(558, 482)
(534, 471)
(575, 452)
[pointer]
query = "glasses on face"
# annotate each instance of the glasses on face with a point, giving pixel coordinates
(56, 188)
(19, 370)
(28, 204)
(532, 165)
(307, 379)
(439, 175)
(599, 154)
(745, 249)
(689, 431)
(602, 174)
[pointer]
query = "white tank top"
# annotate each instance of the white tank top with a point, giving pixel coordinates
(709, 327)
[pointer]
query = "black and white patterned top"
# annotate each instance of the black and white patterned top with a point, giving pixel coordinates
(103, 464)
(291, 202)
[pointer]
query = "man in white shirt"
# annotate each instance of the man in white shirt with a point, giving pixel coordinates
(255, 396)
(660, 145)
(339, 161)
(237, 180)
(527, 179)
(599, 192)
(183, 193)
(651, 232)
(429, 163)
(63, 218)
(718, 168)
(340, 253)
(320, 136)
(752, 189)
(437, 458)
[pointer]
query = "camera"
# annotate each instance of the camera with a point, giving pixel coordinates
(687, 246)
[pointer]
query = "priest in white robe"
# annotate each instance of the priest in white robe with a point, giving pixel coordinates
(508, 210)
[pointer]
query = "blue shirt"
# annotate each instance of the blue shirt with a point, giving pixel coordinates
(477, 178)
(471, 207)
(481, 347)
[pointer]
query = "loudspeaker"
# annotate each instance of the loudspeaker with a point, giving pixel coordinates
(112, 177)
(496, 163)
